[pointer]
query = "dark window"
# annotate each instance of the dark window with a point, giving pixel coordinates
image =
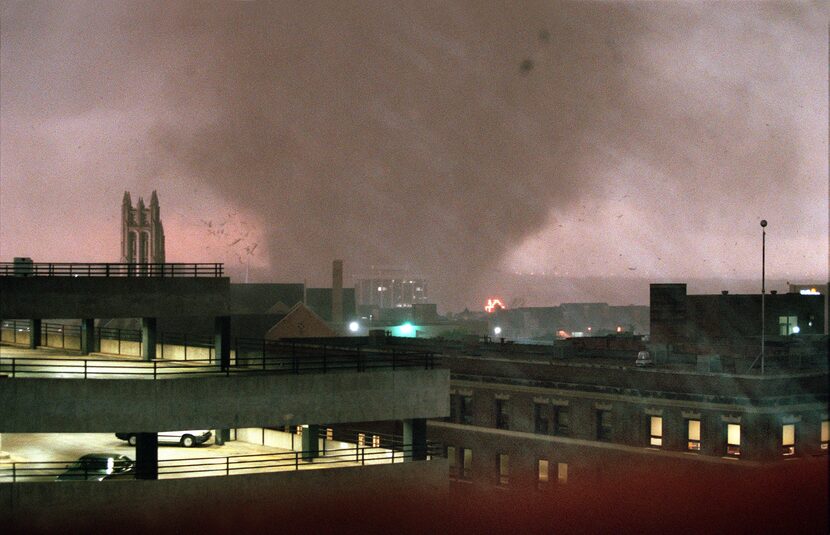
(540, 418)
(604, 428)
(452, 460)
(562, 423)
(466, 410)
(502, 419)
(454, 416)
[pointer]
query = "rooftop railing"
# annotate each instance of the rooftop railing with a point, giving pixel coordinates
(74, 269)
(297, 362)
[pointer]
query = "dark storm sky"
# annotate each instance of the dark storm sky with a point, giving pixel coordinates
(465, 140)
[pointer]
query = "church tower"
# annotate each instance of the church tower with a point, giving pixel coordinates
(142, 235)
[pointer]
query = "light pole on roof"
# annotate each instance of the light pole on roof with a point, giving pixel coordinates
(763, 287)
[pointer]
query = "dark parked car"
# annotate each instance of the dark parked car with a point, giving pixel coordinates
(188, 439)
(100, 466)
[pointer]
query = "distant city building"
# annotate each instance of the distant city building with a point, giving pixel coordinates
(142, 234)
(391, 292)
(569, 320)
(730, 324)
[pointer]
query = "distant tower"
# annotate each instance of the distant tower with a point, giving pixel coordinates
(142, 235)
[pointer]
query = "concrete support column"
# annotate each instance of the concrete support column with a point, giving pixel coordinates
(221, 436)
(147, 456)
(415, 435)
(222, 341)
(34, 333)
(3, 454)
(148, 338)
(88, 336)
(311, 442)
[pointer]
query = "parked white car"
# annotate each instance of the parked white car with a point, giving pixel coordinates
(644, 359)
(188, 439)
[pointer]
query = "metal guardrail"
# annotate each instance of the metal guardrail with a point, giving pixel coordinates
(29, 471)
(74, 269)
(295, 364)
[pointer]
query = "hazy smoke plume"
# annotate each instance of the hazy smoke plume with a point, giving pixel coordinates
(457, 139)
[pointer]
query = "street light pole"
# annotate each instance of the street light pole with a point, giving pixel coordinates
(763, 288)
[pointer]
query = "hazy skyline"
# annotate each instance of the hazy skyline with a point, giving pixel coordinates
(466, 141)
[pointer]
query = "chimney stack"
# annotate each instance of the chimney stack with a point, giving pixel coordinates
(337, 291)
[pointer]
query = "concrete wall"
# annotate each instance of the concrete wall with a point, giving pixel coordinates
(104, 405)
(112, 297)
(47, 505)
(658, 380)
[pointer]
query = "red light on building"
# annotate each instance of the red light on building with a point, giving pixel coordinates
(492, 304)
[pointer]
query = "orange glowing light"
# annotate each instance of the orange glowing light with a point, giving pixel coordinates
(492, 304)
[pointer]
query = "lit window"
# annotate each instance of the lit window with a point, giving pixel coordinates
(466, 463)
(361, 440)
(375, 441)
(825, 433)
(543, 472)
(694, 435)
(656, 433)
(503, 461)
(733, 439)
(787, 325)
(299, 430)
(788, 439)
(329, 433)
(562, 472)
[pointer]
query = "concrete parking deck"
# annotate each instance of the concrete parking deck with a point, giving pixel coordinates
(233, 458)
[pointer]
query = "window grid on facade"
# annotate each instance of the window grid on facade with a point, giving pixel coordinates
(656, 431)
(693, 431)
(788, 439)
(825, 433)
(540, 418)
(503, 462)
(733, 440)
(502, 419)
